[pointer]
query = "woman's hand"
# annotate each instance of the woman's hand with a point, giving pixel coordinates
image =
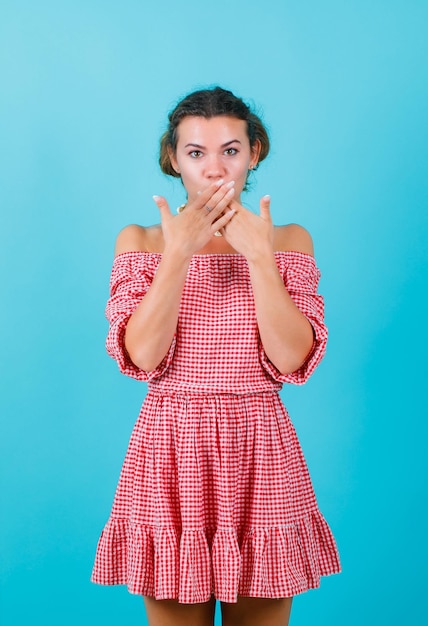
(249, 234)
(193, 228)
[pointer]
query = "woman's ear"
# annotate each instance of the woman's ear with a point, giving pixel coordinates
(173, 159)
(255, 153)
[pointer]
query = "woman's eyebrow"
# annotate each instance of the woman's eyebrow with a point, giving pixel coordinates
(229, 142)
(224, 145)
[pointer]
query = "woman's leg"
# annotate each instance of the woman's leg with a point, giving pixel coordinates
(172, 613)
(257, 612)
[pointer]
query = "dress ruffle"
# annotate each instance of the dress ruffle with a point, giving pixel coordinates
(192, 565)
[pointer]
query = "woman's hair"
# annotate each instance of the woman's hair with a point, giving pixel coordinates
(210, 103)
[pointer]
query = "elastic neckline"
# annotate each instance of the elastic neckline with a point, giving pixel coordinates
(217, 254)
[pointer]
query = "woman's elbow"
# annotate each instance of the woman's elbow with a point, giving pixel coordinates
(141, 358)
(289, 367)
(144, 364)
(293, 361)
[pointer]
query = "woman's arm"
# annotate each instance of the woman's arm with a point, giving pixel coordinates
(151, 327)
(286, 334)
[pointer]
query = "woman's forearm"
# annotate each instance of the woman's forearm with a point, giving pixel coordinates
(151, 328)
(286, 334)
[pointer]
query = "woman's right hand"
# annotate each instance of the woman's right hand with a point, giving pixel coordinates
(192, 229)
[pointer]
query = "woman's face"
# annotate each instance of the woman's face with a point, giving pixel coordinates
(213, 149)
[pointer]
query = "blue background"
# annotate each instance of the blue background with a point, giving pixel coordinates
(84, 93)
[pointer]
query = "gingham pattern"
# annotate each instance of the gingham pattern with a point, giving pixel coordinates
(214, 494)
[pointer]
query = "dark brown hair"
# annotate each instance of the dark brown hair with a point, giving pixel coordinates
(210, 103)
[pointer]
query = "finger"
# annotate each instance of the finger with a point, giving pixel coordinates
(204, 195)
(234, 204)
(218, 205)
(211, 195)
(265, 207)
(223, 220)
(224, 194)
(163, 206)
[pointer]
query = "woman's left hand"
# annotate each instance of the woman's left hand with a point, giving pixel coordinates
(249, 234)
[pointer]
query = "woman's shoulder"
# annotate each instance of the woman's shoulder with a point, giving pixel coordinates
(293, 238)
(135, 238)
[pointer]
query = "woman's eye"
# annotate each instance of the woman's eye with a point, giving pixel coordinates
(195, 154)
(231, 151)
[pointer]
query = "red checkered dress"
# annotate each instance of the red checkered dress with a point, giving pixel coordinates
(214, 495)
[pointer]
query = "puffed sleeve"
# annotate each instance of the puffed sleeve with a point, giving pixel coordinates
(131, 276)
(301, 277)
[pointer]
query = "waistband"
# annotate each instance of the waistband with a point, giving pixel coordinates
(154, 391)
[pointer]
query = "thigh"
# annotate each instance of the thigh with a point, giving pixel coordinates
(172, 613)
(257, 612)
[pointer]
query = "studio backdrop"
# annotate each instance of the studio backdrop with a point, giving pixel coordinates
(84, 95)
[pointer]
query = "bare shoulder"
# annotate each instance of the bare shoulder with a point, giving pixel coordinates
(135, 238)
(293, 237)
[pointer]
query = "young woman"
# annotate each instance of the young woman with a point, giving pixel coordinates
(215, 308)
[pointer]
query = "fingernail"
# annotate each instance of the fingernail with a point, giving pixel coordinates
(219, 183)
(156, 198)
(232, 182)
(266, 197)
(231, 191)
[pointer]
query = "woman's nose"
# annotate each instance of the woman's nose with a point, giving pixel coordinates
(214, 167)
